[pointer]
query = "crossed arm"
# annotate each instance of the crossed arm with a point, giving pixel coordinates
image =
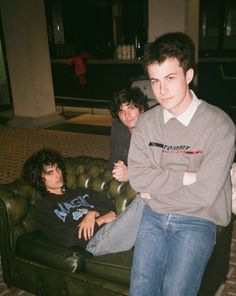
(188, 179)
(216, 162)
(86, 226)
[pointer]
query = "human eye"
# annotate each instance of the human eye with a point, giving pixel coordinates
(171, 77)
(48, 173)
(120, 112)
(154, 81)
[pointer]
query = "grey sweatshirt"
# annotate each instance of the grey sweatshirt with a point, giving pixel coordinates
(160, 153)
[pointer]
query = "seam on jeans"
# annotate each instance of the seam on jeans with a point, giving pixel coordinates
(163, 271)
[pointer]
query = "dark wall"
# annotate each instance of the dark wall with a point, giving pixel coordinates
(217, 84)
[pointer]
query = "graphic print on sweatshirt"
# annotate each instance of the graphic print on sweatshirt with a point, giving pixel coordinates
(175, 149)
(77, 207)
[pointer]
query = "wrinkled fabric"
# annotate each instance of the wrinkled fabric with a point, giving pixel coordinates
(119, 235)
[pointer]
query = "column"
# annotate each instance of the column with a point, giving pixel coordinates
(25, 35)
(165, 16)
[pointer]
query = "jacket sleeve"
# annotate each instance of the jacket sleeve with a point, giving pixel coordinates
(114, 144)
(211, 176)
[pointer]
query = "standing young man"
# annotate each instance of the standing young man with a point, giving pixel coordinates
(180, 154)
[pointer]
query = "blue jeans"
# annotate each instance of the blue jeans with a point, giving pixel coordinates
(170, 255)
(120, 234)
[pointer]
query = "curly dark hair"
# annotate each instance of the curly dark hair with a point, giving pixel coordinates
(171, 45)
(34, 167)
(131, 96)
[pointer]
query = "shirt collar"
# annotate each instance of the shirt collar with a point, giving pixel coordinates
(185, 117)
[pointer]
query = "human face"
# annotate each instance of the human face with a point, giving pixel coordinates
(170, 85)
(129, 115)
(53, 179)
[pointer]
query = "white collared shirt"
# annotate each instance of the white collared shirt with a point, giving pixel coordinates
(187, 115)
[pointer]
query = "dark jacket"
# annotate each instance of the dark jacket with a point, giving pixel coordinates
(59, 215)
(119, 145)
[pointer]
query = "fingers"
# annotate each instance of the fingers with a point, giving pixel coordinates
(85, 232)
(119, 164)
(110, 216)
(120, 173)
(86, 227)
(145, 195)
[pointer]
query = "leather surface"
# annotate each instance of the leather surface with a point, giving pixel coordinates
(36, 247)
(111, 267)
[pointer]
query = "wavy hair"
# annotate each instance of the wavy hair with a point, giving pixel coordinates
(171, 45)
(33, 168)
(131, 96)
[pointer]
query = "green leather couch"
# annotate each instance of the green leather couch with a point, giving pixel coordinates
(32, 262)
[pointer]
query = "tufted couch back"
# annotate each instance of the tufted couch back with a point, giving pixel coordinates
(93, 173)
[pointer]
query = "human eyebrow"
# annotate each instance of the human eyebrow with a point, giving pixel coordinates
(170, 75)
(48, 172)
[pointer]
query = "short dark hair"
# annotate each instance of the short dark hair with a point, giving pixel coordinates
(171, 45)
(34, 167)
(131, 96)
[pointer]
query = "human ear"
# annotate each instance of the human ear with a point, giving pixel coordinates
(141, 110)
(189, 75)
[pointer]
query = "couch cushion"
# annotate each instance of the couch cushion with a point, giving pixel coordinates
(113, 267)
(36, 247)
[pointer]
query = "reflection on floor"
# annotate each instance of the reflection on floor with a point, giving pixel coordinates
(82, 120)
(97, 122)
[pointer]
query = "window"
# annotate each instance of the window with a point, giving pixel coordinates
(217, 30)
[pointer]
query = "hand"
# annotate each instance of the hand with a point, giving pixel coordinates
(86, 226)
(189, 178)
(145, 195)
(107, 218)
(120, 172)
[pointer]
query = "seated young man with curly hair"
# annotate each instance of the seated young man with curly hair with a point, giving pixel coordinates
(69, 217)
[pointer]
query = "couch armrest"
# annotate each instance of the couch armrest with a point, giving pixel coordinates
(16, 211)
(16, 218)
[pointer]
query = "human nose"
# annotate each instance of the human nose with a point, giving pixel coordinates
(58, 173)
(163, 88)
(127, 114)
